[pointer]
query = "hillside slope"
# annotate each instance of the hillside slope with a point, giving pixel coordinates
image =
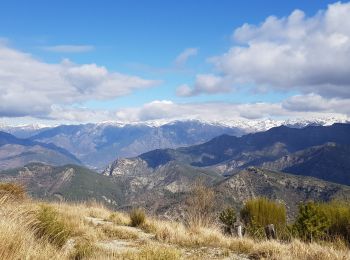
(329, 162)
(290, 189)
(271, 149)
(69, 182)
(252, 149)
(16, 152)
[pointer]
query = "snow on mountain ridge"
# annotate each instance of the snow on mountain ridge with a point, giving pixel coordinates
(246, 124)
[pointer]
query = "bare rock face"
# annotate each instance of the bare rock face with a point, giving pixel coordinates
(127, 167)
(64, 178)
(290, 189)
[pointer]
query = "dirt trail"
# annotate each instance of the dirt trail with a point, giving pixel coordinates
(141, 238)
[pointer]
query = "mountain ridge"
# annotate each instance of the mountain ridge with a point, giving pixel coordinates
(229, 154)
(15, 152)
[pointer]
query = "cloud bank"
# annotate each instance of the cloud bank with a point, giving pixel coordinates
(306, 54)
(32, 87)
(307, 107)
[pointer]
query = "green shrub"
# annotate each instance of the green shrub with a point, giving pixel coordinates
(260, 212)
(228, 218)
(311, 222)
(137, 217)
(338, 215)
(50, 227)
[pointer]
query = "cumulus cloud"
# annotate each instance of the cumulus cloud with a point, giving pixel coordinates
(168, 110)
(29, 86)
(182, 58)
(307, 54)
(205, 83)
(69, 48)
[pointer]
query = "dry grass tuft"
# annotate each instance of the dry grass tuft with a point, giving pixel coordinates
(119, 218)
(153, 252)
(137, 217)
(11, 192)
(51, 227)
(118, 232)
(83, 248)
(18, 240)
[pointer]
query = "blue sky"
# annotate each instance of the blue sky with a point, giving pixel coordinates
(143, 39)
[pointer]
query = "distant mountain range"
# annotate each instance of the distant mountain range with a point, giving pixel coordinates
(236, 168)
(15, 152)
(97, 145)
(270, 149)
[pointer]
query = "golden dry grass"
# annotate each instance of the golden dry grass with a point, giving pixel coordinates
(178, 234)
(19, 237)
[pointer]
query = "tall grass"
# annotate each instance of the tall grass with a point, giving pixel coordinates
(178, 234)
(11, 192)
(65, 233)
(200, 206)
(50, 227)
(17, 217)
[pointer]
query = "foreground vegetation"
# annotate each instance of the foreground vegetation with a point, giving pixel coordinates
(40, 230)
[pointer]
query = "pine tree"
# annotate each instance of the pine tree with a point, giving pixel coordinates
(311, 222)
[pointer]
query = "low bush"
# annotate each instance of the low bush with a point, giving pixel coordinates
(260, 212)
(137, 217)
(228, 218)
(338, 215)
(311, 222)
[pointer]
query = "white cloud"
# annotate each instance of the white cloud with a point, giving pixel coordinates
(309, 106)
(205, 83)
(69, 48)
(29, 86)
(306, 54)
(316, 103)
(79, 115)
(182, 58)
(218, 111)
